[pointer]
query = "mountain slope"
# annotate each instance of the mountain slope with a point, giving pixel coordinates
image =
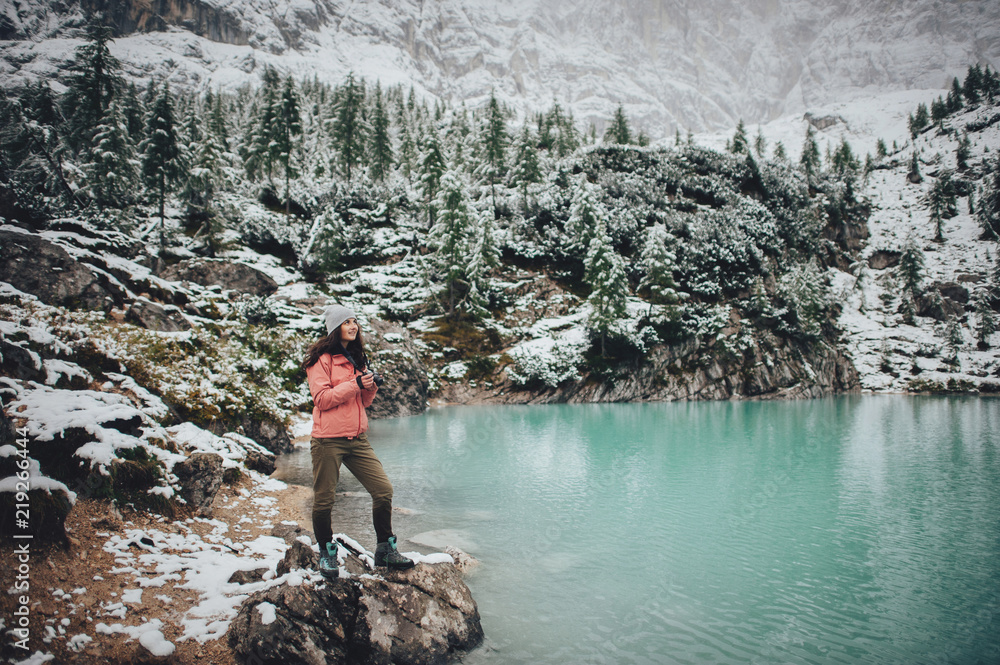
(698, 66)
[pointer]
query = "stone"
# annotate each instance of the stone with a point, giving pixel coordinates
(200, 476)
(883, 259)
(268, 432)
(395, 357)
(260, 462)
(248, 576)
(37, 266)
(954, 292)
(421, 616)
(290, 532)
(221, 272)
(47, 521)
(154, 316)
(298, 555)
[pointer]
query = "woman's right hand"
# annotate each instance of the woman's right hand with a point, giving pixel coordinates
(368, 381)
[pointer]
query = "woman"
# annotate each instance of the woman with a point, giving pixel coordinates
(342, 387)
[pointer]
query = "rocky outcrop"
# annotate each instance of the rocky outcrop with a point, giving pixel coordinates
(772, 368)
(201, 18)
(421, 616)
(37, 266)
(200, 476)
(221, 272)
(395, 357)
(154, 316)
(268, 432)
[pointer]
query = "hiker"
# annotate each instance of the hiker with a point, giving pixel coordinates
(342, 387)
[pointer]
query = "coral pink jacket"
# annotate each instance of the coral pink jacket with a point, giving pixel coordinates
(339, 403)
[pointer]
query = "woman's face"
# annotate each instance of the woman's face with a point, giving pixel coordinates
(348, 330)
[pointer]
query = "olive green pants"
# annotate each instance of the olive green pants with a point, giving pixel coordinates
(357, 455)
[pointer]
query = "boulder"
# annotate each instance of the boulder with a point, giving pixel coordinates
(49, 508)
(298, 555)
(395, 357)
(954, 291)
(248, 576)
(260, 462)
(7, 432)
(37, 266)
(200, 476)
(221, 272)
(932, 304)
(268, 432)
(421, 616)
(21, 363)
(883, 259)
(153, 316)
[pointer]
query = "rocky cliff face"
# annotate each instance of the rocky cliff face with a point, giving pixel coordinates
(672, 65)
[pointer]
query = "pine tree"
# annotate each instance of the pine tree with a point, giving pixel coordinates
(810, 160)
(954, 339)
(760, 143)
(381, 142)
(260, 154)
(93, 83)
(618, 132)
(988, 205)
(526, 169)
(911, 267)
(206, 163)
(943, 203)
(134, 114)
(450, 238)
(919, 120)
(111, 171)
(780, 155)
(845, 164)
(161, 155)
(432, 169)
(604, 272)
(955, 97)
(881, 151)
(494, 146)
(350, 129)
(973, 84)
(287, 130)
(585, 215)
(485, 259)
(740, 143)
(658, 264)
(986, 320)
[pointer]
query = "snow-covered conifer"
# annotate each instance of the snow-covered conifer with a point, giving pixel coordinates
(911, 267)
(618, 131)
(740, 143)
(161, 170)
(350, 130)
(112, 173)
(94, 81)
(586, 213)
(810, 160)
(604, 272)
(451, 238)
(381, 141)
(658, 263)
(432, 169)
(986, 320)
(526, 170)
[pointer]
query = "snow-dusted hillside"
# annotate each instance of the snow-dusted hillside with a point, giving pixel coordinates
(692, 66)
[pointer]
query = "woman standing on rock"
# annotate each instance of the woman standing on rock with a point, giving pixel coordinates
(342, 386)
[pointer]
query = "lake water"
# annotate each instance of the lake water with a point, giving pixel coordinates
(861, 529)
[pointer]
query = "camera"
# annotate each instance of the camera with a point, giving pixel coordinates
(378, 378)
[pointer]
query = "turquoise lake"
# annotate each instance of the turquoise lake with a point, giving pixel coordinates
(859, 529)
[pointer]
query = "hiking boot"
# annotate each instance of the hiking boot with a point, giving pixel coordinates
(328, 561)
(386, 556)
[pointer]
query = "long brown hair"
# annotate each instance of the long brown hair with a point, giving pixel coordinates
(332, 344)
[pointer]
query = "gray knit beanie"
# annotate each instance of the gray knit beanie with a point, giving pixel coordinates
(336, 315)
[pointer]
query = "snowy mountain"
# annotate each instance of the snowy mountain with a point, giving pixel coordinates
(688, 66)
